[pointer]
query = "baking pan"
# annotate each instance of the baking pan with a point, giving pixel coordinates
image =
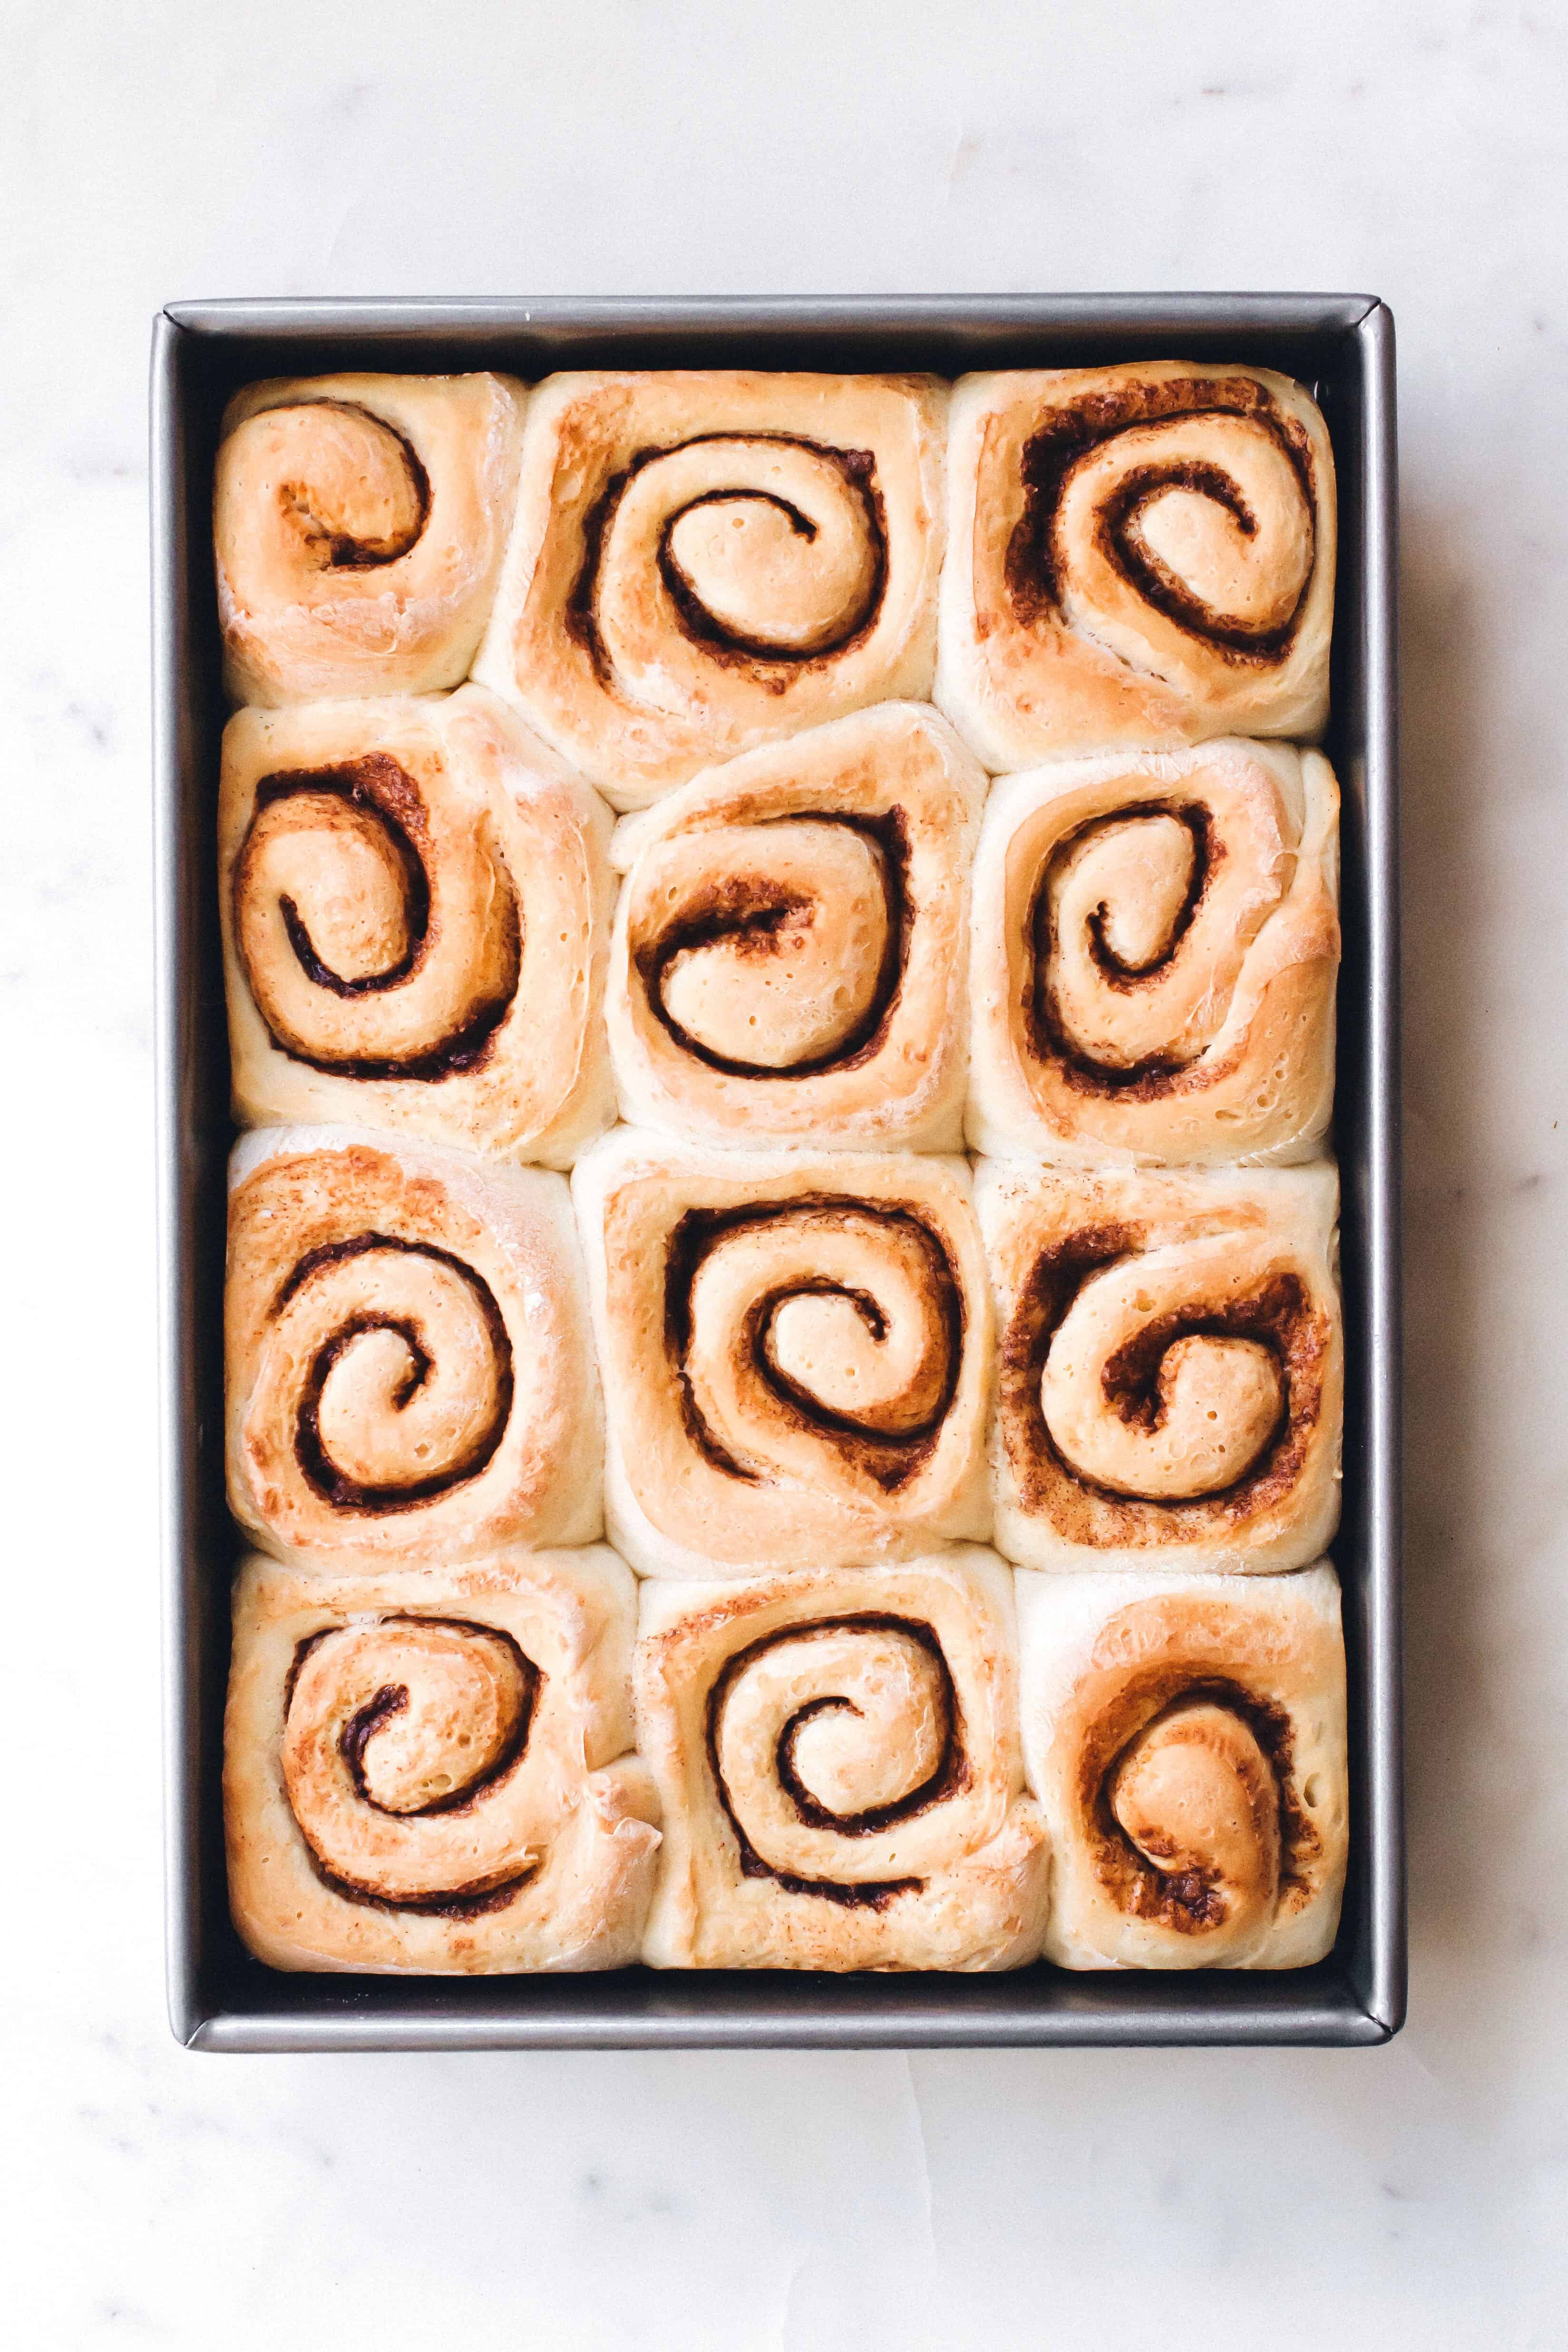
(219, 1998)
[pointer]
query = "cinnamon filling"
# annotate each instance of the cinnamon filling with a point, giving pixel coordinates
(466, 1901)
(344, 551)
(755, 918)
(1276, 1315)
(1192, 1899)
(775, 662)
(950, 1775)
(376, 786)
(1156, 1074)
(327, 1481)
(1035, 559)
(891, 1456)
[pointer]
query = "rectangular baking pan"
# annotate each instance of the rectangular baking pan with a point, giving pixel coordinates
(219, 1998)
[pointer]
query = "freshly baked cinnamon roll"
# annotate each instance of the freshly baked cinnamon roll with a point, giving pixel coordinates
(416, 905)
(428, 1773)
(1187, 1742)
(1136, 555)
(1171, 1378)
(837, 1761)
(705, 562)
(1155, 944)
(796, 1354)
(359, 524)
(410, 1373)
(790, 942)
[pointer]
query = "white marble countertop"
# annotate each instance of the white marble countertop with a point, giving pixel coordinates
(1408, 2197)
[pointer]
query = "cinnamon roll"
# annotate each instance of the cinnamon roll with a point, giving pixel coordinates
(790, 940)
(795, 1352)
(359, 524)
(701, 563)
(838, 1762)
(410, 1373)
(1187, 1742)
(1136, 555)
(1155, 944)
(1171, 1375)
(429, 1773)
(416, 905)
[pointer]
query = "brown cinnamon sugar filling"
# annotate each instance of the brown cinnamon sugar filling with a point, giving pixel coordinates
(1034, 557)
(756, 918)
(891, 1458)
(1156, 1074)
(1278, 1314)
(773, 663)
(378, 787)
(1190, 1900)
(950, 1775)
(459, 1902)
(309, 1452)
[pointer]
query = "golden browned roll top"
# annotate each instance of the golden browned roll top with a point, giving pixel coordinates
(1155, 944)
(789, 951)
(1187, 1744)
(1141, 554)
(708, 560)
(839, 1768)
(407, 1349)
(415, 910)
(1170, 1384)
(359, 524)
(797, 1349)
(429, 1769)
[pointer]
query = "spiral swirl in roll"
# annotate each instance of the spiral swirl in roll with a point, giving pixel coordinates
(1170, 1378)
(743, 972)
(400, 1740)
(1189, 1815)
(838, 1756)
(349, 489)
(408, 1359)
(1181, 506)
(393, 1367)
(1189, 1747)
(429, 1769)
(1156, 942)
(415, 914)
(788, 957)
(825, 1324)
(707, 562)
(358, 525)
(829, 1743)
(794, 1353)
(1140, 555)
(345, 887)
(759, 548)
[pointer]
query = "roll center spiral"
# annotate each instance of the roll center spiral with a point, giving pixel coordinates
(406, 1380)
(1198, 1800)
(1173, 506)
(376, 940)
(776, 949)
(1165, 1378)
(756, 547)
(399, 1741)
(828, 1741)
(819, 1323)
(350, 488)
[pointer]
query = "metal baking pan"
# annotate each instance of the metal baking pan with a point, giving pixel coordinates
(220, 1998)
